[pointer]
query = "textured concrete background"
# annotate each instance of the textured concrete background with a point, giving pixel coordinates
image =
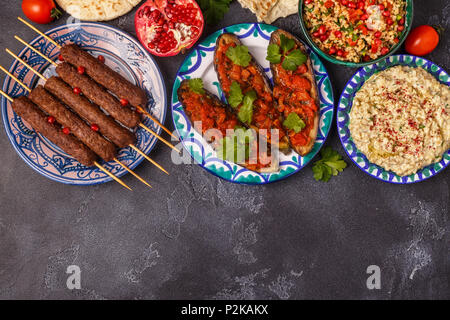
(196, 236)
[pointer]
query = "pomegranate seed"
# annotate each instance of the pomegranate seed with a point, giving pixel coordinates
(344, 2)
(60, 58)
(81, 70)
(76, 90)
(340, 53)
(101, 58)
(384, 51)
(322, 30)
(308, 1)
(94, 127)
(377, 34)
(401, 21)
(400, 28)
(365, 16)
(338, 34)
(51, 119)
(352, 5)
(389, 21)
(124, 102)
(381, 6)
(66, 130)
(386, 13)
(332, 50)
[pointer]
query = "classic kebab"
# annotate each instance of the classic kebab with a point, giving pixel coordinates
(31, 113)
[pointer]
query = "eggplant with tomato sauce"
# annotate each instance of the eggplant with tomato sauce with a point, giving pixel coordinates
(221, 128)
(295, 91)
(242, 80)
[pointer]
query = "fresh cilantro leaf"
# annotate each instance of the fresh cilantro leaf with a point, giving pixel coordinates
(214, 10)
(245, 113)
(236, 95)
(330, 165)
(273, 53)
(286, 43)
(237, 147)
(196, 85)
(239, 55)
(293, 60)
(294, 122)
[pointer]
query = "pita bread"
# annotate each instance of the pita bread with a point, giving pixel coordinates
(97, 10)
(270, 10)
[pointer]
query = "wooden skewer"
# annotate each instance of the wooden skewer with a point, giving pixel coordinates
(132, 172)
(35, 50)
(111, 175)
(15, 79)
(54, 63)
(148, 158)
(117, 161)
(40, 32)
(159, 137)
(142, 110)
(95, 162)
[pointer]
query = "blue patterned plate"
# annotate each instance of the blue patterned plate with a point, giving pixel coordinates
(123, 54)
(199, 64)
(345, 105)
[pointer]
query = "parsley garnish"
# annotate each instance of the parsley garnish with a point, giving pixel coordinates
(330, 165)
(236, 95)
(214, 10)
(291, 60)
(239, 55)
(294, 122)
(196, 85)
(245, 113)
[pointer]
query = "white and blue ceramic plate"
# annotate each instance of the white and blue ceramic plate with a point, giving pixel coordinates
(199, 64)
(343, 119)
(126, 56)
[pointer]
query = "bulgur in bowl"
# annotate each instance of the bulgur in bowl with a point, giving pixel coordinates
(355, 33)
(404, 128)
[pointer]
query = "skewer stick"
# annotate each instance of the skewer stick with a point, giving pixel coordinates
(111, 175)
(15, 78)
(148, 158)
(159, 137)
(40, 32)
(133, 173)
(59, 46)
(96, 163)
(26, 65)
(6, 96)
(156, 121)
(35, 50)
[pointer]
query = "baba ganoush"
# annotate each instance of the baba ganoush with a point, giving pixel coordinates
(400, 119)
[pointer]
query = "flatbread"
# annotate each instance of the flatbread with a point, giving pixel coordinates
(270, 10)
(97, 10)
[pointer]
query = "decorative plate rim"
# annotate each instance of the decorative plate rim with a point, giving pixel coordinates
(329, 107)
(8, 79)
(344, 144)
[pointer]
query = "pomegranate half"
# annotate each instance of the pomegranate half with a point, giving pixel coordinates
(168, 27)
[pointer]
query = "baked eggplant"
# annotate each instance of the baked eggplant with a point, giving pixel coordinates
(240, 75)
(221, 128)
(295, 91)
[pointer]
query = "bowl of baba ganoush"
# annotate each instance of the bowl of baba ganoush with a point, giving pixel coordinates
(394, 119)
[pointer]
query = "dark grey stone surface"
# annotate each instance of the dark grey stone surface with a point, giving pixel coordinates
(196, 236)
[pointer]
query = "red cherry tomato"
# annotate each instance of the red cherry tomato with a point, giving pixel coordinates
(344, 2)
(361, 5)
(124, 102)
(384, 50)
(386, 13)
(76, 90)
(94, 127)
(81, 70)
(332, 51)
(322, 30)
(51, 119)
(60, 58)
(338, 34)
(422, 40)
(377, 34)
(66, 130)
(340, 53)
(40, 11)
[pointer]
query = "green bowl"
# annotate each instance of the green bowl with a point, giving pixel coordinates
(408, 24)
